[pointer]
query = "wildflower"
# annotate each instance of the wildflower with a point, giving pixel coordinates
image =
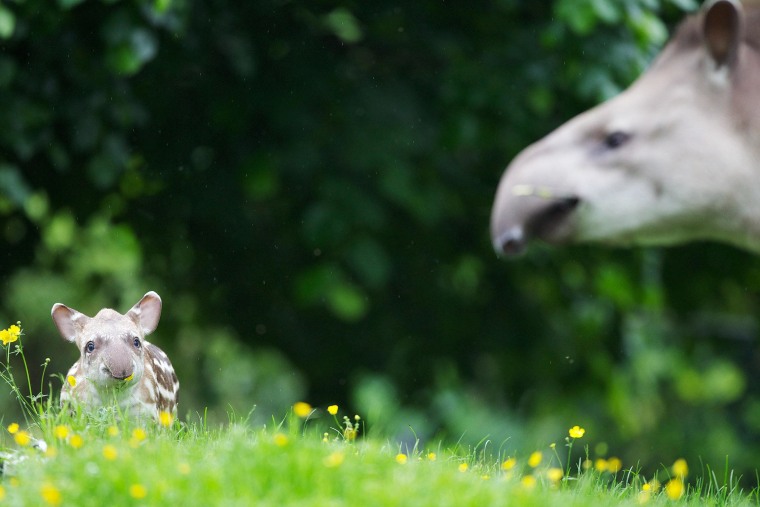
(576, 432)
(113, 431)
(325, 438)
(555, 474)
(280, 439)
(509, 464)
(138, 491)
(674, 489)
(13, 428)
(138, 435)
(129, 378)
(614, 465)
(601, 465)
(110, 453)
(431, 456)
(528, 482)
(553, 445)
(302, 409)
(50, 494)
(71, 380)
(336, 459)
(485, 477)
(332, 409)
(587, 463)
(463, 467)
(10, 335)
(401, 458)
(165, 419)
(183, 468)
(535, 459)
(22, 438)
(680, 468)
(2, 493)
(61, 432)
(76, 441)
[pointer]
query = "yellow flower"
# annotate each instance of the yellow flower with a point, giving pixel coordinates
(334, 460)
(2, 493)
(614, 465)
(509, 464)
(576, 432)
(485, 477)
(332, 409)
(71, 380)
(431, 456)
(10, 335)
(463, 467)
(535, 459)
(13, 428)
(280, 439)
(22, 438)
(138, 491)
(50, 494)
(674, 489)
(183, 468)
(110, 453)
(127, 379)
(138, 434)
(76, 441)
(350, 433)
(401, 458)
(61, 432)
(601, 465)
(302, 409)
(113, 431)
(528, 482)
(165, 419)
(680, 468)
(555, 474)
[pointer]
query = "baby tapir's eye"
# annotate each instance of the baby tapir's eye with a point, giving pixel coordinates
(136, 343)
(90, 346)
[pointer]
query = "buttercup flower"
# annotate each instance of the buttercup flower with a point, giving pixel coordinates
(76, 441)
(22, 438)
(555, 474)
(332, 409)
(528, 482)
(509, 464)
(614, 465)
(10, 335)
(535, 459)
(71, 380)
(138, 491)
(61, 432)
(50, 494)
(13, 428)
(401, 458)
(335, 459)
(680, 468)
(463, 467)
(280, 439)
(576, 432)
(165, 419)
(302, 409)
(110, 453)
(674, 489)
(431, 456)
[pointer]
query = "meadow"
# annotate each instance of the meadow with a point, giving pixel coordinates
(311, 456)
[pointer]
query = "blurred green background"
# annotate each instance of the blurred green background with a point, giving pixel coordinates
(308, 186)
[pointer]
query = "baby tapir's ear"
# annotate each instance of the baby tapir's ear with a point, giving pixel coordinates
(68, 321)
(147, 312)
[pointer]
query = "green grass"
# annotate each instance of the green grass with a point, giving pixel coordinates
(290, 464)
(56, 457)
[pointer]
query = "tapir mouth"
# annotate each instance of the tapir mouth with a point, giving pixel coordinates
(525, 215)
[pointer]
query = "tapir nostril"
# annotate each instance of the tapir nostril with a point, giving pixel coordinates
(511, 242)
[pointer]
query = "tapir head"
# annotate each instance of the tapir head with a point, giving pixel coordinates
(110, 344)
(674, 158)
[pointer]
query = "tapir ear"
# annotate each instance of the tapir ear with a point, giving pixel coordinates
(722, 30)
(68, 321)
(147, 312)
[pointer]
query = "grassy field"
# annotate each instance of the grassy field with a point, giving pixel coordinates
(311, 457)
(97, 461)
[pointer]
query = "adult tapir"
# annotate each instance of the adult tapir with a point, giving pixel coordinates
(674, 158)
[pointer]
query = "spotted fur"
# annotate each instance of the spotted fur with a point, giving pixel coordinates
(117, 365)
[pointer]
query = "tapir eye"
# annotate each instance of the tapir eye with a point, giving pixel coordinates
(616, 138)
(137, 342)
(90, 346)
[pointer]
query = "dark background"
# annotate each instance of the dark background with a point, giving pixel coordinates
(308, 186)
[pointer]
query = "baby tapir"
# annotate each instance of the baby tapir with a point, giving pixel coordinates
(117, 364)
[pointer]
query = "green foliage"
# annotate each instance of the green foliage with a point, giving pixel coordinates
(307, 185)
